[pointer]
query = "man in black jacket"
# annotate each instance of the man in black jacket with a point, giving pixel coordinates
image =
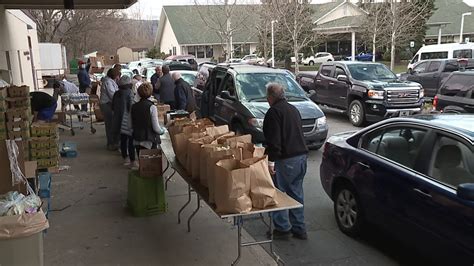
(165, 87)
(287, 156)
(183, 94)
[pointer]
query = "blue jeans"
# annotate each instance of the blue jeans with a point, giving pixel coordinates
(289, 174)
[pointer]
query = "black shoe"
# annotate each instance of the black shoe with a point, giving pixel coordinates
(301, 236)
(277, 234)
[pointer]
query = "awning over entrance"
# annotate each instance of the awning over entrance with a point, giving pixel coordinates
(60, 4)
(349, 24)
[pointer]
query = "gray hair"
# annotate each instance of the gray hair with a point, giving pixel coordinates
(176, 75)
(275, 90)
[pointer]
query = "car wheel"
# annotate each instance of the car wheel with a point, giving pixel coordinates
(237, 128)
(357, 113)
(347, 210)
(311, 63)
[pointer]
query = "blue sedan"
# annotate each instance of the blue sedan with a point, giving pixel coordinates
(413, 177)
(362, 57)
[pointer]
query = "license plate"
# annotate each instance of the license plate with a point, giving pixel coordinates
(404, 113)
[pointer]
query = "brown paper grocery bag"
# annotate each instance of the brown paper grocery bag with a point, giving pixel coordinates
(232, 187)
(206, 149)
(180, 146)
(249, 150)
(217, 131)
(23, 225)
(262, 189)
(212, 158)
(232, 141)
(194, 153)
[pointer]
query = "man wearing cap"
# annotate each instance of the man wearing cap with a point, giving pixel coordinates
(84, 80)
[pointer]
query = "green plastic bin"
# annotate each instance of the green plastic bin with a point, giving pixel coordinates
(146, 196)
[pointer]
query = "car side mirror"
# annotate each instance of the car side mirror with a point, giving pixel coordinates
(342, 78)
(226, 96)
(412, 72)
(466, 191)
(311, 93)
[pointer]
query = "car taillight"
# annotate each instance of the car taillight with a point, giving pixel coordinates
(435, 102)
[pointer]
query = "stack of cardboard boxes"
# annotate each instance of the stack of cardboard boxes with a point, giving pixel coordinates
(44, 144)
(3, 108)
(18, 116)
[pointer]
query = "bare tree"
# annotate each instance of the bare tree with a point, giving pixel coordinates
(47, 22)
(266, 16)
(224, 17)
(406, 19)
(294, 21)
(375, 25)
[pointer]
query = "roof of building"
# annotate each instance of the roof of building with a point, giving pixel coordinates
(344, 22)
(319, 10)
(450, 11)
(190, 28)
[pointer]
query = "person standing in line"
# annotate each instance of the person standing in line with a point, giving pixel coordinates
(145, 125)
(287, 156)
(183, 94)
(136, 82)
(84, 81)
(165, 87)
(107, 91)
(122, 125)
(154, 78)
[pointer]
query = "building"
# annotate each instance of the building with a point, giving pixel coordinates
(183, 30)
(129, 54)
(445, 23)
(19, 49)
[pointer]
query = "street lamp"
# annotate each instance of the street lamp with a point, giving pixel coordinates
(273, 44)
(462, 24)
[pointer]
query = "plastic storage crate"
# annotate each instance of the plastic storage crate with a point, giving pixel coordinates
(146, 196)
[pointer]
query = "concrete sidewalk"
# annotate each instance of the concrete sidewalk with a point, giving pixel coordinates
(90, 224)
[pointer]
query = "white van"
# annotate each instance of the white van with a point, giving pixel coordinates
(443, 51)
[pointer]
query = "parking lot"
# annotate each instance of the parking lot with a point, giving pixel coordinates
(326, 244)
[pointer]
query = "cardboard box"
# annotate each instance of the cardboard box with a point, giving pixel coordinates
(44, 130)
(21, 135)
(18, 114)
(18, 102)
(3, 105)
(18, 126)
(30, 169)
(3, 93)
(15, 91)
(151, 164)
(5, 174)
(43, 143)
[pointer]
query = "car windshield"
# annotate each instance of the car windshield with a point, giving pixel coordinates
(370, 72)
(251, 86)
(189, 78)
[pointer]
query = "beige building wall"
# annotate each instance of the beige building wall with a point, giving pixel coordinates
(168, 40)
(17, 62)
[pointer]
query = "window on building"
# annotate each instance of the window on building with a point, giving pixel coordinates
(209, 51)
(174, 50)
(200, 52)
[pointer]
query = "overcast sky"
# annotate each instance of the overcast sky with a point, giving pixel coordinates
(150, 9)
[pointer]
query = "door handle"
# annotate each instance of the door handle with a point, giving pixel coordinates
(331, 83)
(216, 104)
(318, 80)
(469, 106)
(419, 191)
(366, 166)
